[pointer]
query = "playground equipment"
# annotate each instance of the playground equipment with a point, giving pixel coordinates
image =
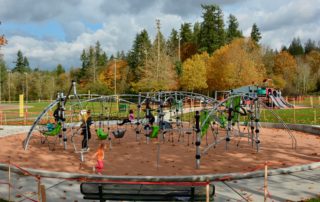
(163, 115)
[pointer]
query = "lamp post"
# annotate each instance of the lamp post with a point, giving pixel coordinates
(26, 87)
(9, 84)
(115, 76)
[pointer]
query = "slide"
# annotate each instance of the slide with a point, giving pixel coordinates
(277, 102)
(286, 103)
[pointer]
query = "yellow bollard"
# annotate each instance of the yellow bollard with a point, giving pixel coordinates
(21, 105)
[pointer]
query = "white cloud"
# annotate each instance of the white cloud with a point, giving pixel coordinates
(279, 22)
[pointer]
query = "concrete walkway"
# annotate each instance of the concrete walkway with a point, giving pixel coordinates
(290, 187)
(295, 186)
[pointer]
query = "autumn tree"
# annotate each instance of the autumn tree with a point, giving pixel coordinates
(194, 75)
(115, 76)
(313, 60)
(236, 64)
(285, 71)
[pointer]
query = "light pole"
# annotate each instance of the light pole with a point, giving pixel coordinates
(26, 87)
(9, 84)
(0, 82)
(115, 76)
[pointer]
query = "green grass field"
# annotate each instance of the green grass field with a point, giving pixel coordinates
(295, 116)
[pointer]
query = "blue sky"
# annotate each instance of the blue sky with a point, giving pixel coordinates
(52, 32)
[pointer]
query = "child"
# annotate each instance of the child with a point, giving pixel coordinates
(99, 155)
(131, 115)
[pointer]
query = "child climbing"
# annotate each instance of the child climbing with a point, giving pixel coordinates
(99, 156)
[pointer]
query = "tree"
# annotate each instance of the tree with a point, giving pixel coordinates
(309, 46)
(26, 64)
(233, 29)
(185, 33)
(140, 47)
(285, 71)
(212, 34)
(20, 65)
(295, 47)
(194, 73)
(313, 60)
(120, 69)
(173, 43)
(236, 64)
(196, 33)
(59, 69)
(159, 72)
(255, 33)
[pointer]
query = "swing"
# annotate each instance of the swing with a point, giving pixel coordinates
(101, 134)
(155, 131)
(51, 133)
(119, 133)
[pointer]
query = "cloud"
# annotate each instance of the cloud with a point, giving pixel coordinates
(51, 32)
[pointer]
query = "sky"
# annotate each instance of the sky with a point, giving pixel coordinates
(55, 32)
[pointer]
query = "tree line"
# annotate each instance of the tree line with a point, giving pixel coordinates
(202, 57)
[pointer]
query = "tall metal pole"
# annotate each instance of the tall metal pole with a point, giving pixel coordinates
(179, 53)
(0, 83)
(26, 88)
(198, 140)
(9, 85)
(115, 76)
(158, 63)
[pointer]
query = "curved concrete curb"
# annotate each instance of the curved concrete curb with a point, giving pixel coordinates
(313, 129)
(194, 178)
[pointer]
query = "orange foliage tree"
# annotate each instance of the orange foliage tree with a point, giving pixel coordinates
(118, 68)
(236, 64)
(284, 70)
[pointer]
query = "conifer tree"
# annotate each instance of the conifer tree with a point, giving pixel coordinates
(255, 33)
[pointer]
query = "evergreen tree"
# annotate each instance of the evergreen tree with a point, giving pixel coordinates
(59, 69)
(173, 43)
(196, 32)
(212, 35)
(185, 33)
(255, 33)
(103, 59)
(20, 65)
(310, 46)
(295, 47)
(84, 59)
(26, 64)
(233, 29)
(139, 52)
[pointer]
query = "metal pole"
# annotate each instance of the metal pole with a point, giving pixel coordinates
(198, 142)
(115, 76)
(9, 86)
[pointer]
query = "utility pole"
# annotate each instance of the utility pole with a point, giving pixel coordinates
(115, 76)
(179, 54)
(158, 63)
(9, 84)
(3, 42)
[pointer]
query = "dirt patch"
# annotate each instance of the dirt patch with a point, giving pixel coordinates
(131, 157)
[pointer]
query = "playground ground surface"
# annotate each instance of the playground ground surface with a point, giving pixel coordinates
(130, 157)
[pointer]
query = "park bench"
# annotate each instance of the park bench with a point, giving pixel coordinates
(147, 191)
